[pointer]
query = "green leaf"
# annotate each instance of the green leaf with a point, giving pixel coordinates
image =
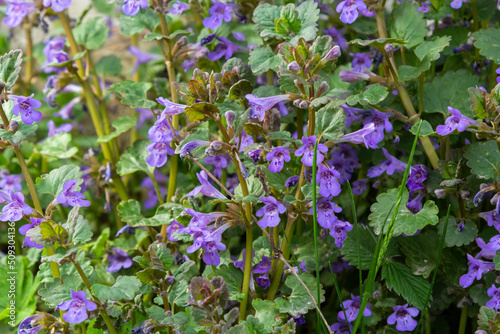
(130, 212)
(255, 187)
(330, 122)
(299, 302)
(179, 293)
(449, 90)
(378, 43)
(408, 24)
(401, 280)
(79, 230)
(425, 130)
(421, 252)
(406, 222)
(133, 93)
(124, 288)
(240, 89)
(201, 111)
(484, 159)
(488, 43)
(52, 183)
(99, 246)
(57, 146)
(23, 133)
(432, 49)
(10, 66)
(109, 65)
(122, 125)
(134, 159)
(373, 95)
(54, 293)
(92, 33)
(104, 7)
(145, 19)
(267, 314)
(264, 17)
(250, 326)
(458, 237)
(233, 278)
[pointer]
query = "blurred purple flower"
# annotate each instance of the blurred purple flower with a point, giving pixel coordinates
(158, 154)
(494, 302)
(118, 260)
(218, 12)
(16, 11)
(53, 130)
(418, 174)
(25, 228)
(132, 7)
(359, 186)
(15, 207)
(178, 8)
(10, 181)
(206, 188)
(160, 132)
(65, 112)
(291, 181)
(363, 135)
(142, 57)
(174, 228)
(263, 281)
(219, 161)
(344, 160)
(129, 229)
(31, 325)
(57, 5)
(476, 270)
(456, 4)
(361, 61)
(337, 36)
(170, 107)
(225, 48)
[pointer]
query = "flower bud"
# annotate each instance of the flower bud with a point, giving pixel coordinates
(333, 54)
(323, 87)
(210, 152)
(230, 117)
(13, 126)
(302, 104)
(377, 294)
(216, 146)
(170, 280)
(294, 67)
(389, 49)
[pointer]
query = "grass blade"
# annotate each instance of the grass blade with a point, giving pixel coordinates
(356, 227)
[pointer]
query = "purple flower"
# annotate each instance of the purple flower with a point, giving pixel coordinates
(263, 267)
(328, 180)
(76, 307)
(494, 302)
(339, 231)
(172, 229)
(349, 9)
(170, 107)
(219, 161)
(53, 130)
(363, 135)
(225, 48)
(15, 207)
(218, 12)
(270, 213)
(255, 155)
(476, 270)
(456, 4)
(16, 11)
(341, 327)
(403, 315)
(65, 112)
(291, 181)
(52, 51)
(129, 229)
(239, 36)
(10, 181)
(160, 132)
(418, 174)
(351, 307)
(326, 212)
(132, 7)
(277, 157)
(424, 7)
(359, 186)
(211, 244)
(71, 196)
(415, 205)
(381, 122)
(361, 61)
(260, 105)
(141, 57)
(307, 151)
(158, 154)
(389, 166)
(488, 250)
(186, 149)
(263, 281)
(246, 140)
(353, 115)
(26, 107)
(344, 160)
(206, 188)
(57, 5)
(455, 121)
(179, 8)
(31, 325)
(337, 36)
(118, 260)
(25, 228)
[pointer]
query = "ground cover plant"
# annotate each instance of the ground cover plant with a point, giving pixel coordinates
(249, 166)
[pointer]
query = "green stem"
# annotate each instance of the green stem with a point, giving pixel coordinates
(475, 17)
(463, 319)
(29, 56)
(315, 223)
(102, 311)
(157, 188)
(356, 228)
